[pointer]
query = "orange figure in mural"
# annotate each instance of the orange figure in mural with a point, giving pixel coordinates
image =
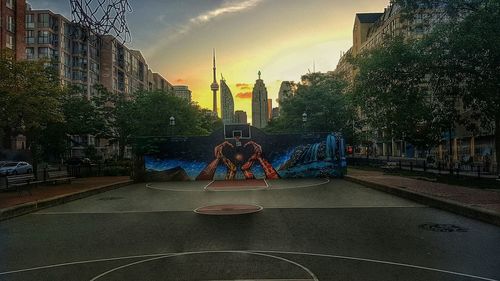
(209, 172)
(257, 156)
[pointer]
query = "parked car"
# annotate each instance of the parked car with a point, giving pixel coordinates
(15, 168)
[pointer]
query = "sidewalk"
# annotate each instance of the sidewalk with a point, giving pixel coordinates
(474, 203)
(14, 204)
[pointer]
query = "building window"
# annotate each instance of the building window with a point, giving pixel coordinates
(11, 25)
(43, 37)
(10, 42)
(30, 37)
(30, 21)
(43, 53)
(30, 53)
(10, 4)
(43, 20)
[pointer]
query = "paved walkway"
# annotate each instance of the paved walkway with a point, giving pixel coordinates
(9, 199)
(474, 199)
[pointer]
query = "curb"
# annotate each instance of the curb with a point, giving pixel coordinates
(433, 201)
(26, 208)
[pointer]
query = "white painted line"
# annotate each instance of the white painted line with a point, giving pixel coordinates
(249, 251)
(381, 262)
(150, 186)
(206, 186)
(313, 276)
(267, 185)
(327, 181)
(189, 210)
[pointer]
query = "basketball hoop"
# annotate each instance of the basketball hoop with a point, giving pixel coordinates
(103, 17)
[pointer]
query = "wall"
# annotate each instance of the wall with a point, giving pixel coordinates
(262, 156)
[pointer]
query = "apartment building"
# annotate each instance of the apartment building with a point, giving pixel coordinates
(156, 82)
(370, 31)
(72, 50)
(123, 71)
(183, 92)
(12, 13)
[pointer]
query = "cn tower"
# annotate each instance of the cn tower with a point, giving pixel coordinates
(215, 88)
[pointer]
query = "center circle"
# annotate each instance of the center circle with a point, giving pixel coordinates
(228, 210)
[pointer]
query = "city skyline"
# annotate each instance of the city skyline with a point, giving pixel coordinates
(280, 38)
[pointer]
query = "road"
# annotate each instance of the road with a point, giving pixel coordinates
(308, 230)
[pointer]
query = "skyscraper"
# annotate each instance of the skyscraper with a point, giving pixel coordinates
(182, 92)
(240, 117)
(227, 103)
(260, 114)
(215, 88)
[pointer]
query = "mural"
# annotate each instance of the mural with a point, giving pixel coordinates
(236, 154)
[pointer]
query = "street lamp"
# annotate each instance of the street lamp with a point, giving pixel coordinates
(172, 124)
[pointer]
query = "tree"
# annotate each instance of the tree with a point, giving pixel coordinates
(467, 52)
(29, 97)
(391, 93)
(323, 97)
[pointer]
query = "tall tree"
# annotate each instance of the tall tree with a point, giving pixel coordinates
(29, 97)
(324, 98)
(467, 52)
(390, 91)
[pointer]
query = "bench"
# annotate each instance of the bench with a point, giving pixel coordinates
(59, 176)
(22, 182)
(390, 167)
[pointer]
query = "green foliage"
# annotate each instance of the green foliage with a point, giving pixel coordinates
(29, 97)
(324, 98)
(389, 89)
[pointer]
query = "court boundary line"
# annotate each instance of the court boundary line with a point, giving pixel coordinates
(268, 252)
(187, 211)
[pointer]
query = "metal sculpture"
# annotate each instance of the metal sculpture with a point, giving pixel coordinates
(103, 17)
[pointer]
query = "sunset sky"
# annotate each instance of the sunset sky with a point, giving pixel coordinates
(281, 38)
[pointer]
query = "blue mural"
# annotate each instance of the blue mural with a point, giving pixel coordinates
(258, 157)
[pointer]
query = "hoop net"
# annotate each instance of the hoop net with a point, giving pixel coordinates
(103, 17)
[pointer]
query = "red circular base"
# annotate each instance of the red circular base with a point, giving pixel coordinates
(228, 210)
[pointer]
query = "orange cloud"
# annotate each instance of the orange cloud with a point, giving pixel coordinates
(245, 95)
(180, 81)
(244, 86)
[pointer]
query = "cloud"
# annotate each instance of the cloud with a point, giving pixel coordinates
(244, 95)
(180, 81)
(227, 7)
(244, 86)
(177, 31)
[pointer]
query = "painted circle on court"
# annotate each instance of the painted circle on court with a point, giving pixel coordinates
(223, 265)
(228, 210)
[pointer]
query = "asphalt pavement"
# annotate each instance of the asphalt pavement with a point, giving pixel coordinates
(307, 230)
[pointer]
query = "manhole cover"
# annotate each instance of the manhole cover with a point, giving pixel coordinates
(228, 210)
(110, 198)
(443, 228)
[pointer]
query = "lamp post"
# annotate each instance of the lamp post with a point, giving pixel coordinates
(172, 125)
(304, 121)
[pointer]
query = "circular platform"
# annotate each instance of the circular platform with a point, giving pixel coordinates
(228, 210)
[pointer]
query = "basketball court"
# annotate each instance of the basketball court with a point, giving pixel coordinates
(295, 230)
